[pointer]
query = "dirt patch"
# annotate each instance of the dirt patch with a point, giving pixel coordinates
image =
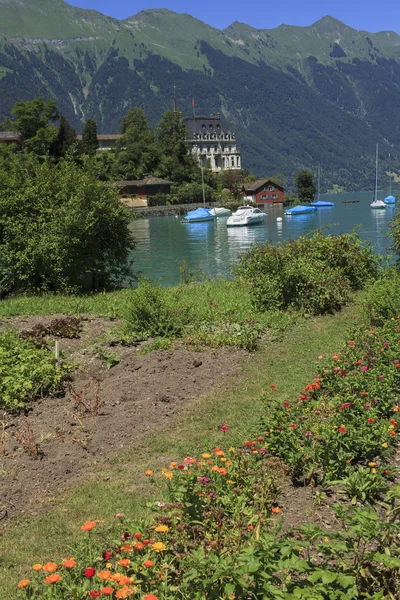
(105, 412)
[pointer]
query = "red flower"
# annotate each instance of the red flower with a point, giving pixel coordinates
(139, 546)
(293, 425)
(367, 406)
(89, 572)
(260, 439)
(95, 594)
(107, 555)
(342, 429)
(247, 443)
(148, 564)
(286, 404)
(370, 421)
(181, 467)
(138, 535)
(280, 428)
(146, 542)
(273, 387)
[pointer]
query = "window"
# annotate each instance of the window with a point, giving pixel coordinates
(265, 189)
(233, 161)
(208, 148)
(264, 197)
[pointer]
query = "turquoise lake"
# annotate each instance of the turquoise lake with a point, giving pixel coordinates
(163, 243)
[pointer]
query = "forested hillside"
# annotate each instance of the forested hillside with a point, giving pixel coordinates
(295, 96)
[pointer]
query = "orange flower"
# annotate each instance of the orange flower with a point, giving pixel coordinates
(150, 597)
(205, 455)
(158, 546)
(125, 592)
(148, 564)
(172, 465)
(220, 453)
(107, 591)
(53, 578)
(23, 583)
(276, 510)
(104, 575)
(126, 548)
(124, 562)
(88, 526)
(37, 567)
(148, 472)
(69, 563)
(50, 567)
(229, 463)
(139, 546)
(168, 475)
(222, 471)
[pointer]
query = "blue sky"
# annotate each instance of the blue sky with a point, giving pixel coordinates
(367, 15)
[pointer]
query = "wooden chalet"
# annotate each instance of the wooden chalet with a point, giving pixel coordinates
(263, 191)
(143, 188)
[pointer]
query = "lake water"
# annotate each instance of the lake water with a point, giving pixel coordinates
(163, 243)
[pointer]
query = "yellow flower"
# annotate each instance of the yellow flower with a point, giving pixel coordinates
(205, 455)
(372, 464)
(396, 409)
(108, 565)
(391, 426)
(168, 474)
(232, 449)
(230, 482)
(384, 445)
(162, 529)
(373, 470)
(158, 547)
(326, 539)
(223, 459)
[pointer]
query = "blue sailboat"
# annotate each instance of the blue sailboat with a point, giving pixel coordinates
(320, 203)
(390, 199)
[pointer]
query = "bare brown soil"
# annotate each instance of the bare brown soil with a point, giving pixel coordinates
(104, 412)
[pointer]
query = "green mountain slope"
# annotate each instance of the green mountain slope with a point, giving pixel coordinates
(295, 96)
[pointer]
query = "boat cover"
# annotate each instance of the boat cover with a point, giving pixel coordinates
(300, 210)
(320, 203)
(198, 214)
(390, 200)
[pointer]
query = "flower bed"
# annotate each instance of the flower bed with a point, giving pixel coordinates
(347, 418)
(216, 527)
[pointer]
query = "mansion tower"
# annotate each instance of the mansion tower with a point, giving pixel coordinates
(212, 144)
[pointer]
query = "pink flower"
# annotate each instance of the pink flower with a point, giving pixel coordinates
(293, 426)
(262, 450)
(364, 368)
(351, 343)
(370, 421)
(224, 427)
(367, 406)
(286, 404)
(308, 434)
(320, 357)
(381, 378)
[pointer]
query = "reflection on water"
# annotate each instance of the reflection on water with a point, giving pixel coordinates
(163, 243)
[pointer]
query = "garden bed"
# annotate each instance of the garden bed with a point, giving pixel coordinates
(135, 398)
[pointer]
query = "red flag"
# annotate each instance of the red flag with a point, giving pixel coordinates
(193, 102)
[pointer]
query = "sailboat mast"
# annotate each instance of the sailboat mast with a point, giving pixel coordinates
(319, 179)
(390, 177)
(376, 176)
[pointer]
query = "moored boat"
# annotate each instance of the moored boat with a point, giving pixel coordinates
(321, 203)
(198, 215)
(246, 215)
(300, 210)
(389, 200)
(377, 204)
(220, 211)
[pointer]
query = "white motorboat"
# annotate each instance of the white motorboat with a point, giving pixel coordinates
(220, 211)
(246, 215)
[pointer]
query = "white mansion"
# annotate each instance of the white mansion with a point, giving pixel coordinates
(212, 144)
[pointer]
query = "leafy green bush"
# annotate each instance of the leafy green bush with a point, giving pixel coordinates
(61, 229)
(27, 372)
(383, 298)
(149, 312)
(315, 274)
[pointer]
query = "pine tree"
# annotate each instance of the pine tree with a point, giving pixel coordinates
(137, 152)
(65, 139)
(89, 138)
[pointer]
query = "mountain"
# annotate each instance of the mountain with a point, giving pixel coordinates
(295, 96)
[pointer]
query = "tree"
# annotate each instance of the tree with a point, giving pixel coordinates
(304, 181)
(137, 152)
(177, 162)
(33, 120)
(90, 142)
(65, 139)
(61, 229)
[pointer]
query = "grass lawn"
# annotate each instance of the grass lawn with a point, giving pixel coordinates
(119, 485)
